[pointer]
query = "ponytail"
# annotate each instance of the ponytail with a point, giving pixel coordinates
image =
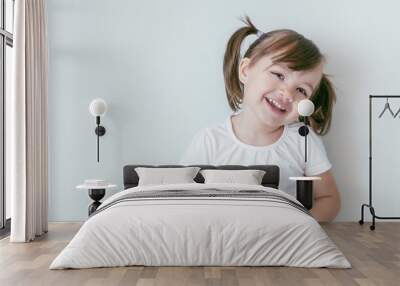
(233, 86)
(323, 99)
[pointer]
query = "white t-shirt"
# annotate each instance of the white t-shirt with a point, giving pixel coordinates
(218, 145)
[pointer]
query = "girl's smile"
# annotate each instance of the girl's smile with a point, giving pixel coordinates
(274, 106)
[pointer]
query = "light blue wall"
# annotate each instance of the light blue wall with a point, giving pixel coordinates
(155, 66)
(158, 64)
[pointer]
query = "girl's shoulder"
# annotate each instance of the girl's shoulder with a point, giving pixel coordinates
(294, 136)
(293, 129)
(215, 131)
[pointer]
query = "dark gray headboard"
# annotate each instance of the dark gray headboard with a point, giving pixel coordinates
(270, 179)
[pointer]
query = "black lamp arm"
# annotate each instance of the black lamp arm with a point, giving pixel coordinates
(303, 131)
(100, 131)
(305, 140)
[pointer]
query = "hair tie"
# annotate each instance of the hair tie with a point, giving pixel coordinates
(248, 40)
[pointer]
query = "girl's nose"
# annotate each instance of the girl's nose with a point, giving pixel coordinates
(287, 95)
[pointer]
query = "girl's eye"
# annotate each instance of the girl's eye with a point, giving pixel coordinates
(302, 91)
(280, 76)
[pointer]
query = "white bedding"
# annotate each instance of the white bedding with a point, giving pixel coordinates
(200, 231)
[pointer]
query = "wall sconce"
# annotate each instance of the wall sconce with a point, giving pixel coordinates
(305, 109)
(97, 108)
(304, 185)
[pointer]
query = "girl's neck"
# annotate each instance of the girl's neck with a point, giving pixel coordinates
(251, 131)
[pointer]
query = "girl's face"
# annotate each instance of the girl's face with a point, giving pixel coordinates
(273, 91)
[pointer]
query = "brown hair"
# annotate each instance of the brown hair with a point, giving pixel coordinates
(288, 47)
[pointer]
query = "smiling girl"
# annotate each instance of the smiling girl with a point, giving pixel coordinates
(263, 88)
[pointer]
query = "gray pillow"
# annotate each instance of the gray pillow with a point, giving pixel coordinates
(248, 177)
(162, 176)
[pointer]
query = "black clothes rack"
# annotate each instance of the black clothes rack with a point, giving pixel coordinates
(370, 205)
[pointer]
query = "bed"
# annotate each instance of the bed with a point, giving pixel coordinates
(201, 224)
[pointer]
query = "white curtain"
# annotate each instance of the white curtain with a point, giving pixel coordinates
(28, 122)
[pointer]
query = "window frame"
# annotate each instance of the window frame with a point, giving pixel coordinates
(6, 39)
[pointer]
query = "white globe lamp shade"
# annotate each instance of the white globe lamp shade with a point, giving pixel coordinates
(98, 107)
(305, 107)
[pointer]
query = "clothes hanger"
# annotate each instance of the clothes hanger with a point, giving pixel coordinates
(398, 111)
(387, 106)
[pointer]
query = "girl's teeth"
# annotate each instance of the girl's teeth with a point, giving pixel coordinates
(276, 104)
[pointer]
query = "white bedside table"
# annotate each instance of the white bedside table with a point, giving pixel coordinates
(304, 190)
(96, 193)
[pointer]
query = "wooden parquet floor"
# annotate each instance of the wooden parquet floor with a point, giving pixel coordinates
(374, 255)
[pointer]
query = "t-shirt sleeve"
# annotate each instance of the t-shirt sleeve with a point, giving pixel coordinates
(198, 150)
(317, 159)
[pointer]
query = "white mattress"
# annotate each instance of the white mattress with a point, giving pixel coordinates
(200, 231)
